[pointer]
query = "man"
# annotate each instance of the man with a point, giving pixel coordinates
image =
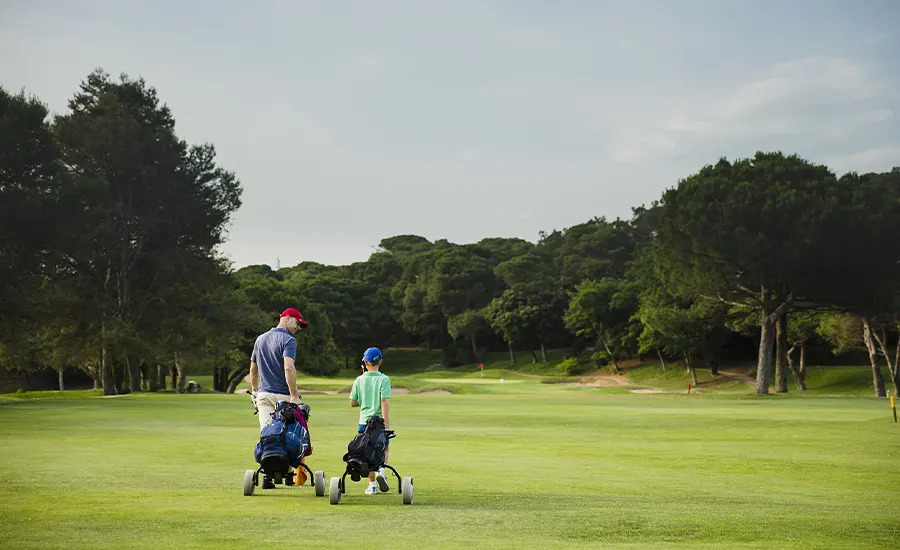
(273, 376)
(371, 392)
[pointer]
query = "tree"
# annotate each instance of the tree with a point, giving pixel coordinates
(506, 316)
(467, 324)
(35, 210)
(602, 309)
(316, 350)
(802, 326)
(745, 234)
(156, 203)
(683, 326)
(596, 249)
(861, 248)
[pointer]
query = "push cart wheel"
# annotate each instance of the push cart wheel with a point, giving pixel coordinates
(249, 482)
(334, 490)
(406, 489)
(319, 483)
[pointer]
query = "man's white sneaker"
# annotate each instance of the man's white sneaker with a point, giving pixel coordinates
(381, 478)
(372, 490)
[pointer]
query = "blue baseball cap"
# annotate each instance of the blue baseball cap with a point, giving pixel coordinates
(372, 355)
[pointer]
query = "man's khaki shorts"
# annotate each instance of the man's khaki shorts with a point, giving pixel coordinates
(266, 403)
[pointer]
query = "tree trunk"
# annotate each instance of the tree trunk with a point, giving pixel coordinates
(610, 354)
(798, 374)
(781, 336)
(877, 379)
(533, 358)
(179, 369)
(109, 386)
(62, 386)
(95, 373)
(803, 364)
(763, 363)
(182, 378)
(766, 345)
(160, 377)
(512, 357)
(896, 374)
(892, 366)
(661, 360)
(173, 374)
(691, 369)
(474, 346)
(152, 378)
(134, 374)
(236, 378)
(543, 352)
(123, 376)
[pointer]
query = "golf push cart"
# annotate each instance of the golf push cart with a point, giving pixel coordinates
(282, 444)
(358, 467)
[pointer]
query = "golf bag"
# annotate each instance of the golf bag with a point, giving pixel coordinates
(366, 451)
(283, 442)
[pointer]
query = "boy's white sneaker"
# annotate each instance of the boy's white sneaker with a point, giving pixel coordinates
(381, 479)
(372, 490)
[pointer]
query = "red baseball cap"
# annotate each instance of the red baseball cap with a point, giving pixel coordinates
(291, 312)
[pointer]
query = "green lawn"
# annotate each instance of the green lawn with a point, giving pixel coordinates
(512, 465)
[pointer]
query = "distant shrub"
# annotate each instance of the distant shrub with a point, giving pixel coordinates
(571, 366)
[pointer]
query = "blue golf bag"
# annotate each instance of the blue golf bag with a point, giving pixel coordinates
(283, 443)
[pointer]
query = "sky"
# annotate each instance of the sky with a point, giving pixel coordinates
(350, 122)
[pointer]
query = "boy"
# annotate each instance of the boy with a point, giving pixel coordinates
(371, 393)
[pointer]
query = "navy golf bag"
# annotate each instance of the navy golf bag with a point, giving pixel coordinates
(283, 442)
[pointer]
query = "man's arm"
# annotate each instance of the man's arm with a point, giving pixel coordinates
(290, 376)
(290, 371)
(254, 376)
(384, 411)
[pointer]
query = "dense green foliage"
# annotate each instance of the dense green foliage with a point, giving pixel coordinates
(109, 262)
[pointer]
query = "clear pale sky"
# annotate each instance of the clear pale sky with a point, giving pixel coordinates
(348, 122)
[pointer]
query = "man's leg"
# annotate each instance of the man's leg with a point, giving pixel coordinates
(265, 404)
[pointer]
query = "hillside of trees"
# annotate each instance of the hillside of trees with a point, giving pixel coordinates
(110, 226)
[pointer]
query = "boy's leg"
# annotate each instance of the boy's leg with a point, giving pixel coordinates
(380, 476)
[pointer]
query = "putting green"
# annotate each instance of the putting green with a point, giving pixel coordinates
(470, 381)
(548, 467)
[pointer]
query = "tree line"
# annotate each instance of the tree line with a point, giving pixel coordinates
(111, 225)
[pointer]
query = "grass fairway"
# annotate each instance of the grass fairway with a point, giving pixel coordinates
(501, 466)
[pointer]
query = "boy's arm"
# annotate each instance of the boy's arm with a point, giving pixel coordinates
(354, 394)
(385, 400)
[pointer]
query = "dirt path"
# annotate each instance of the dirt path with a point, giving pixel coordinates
(729, 375)
(603, 380)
